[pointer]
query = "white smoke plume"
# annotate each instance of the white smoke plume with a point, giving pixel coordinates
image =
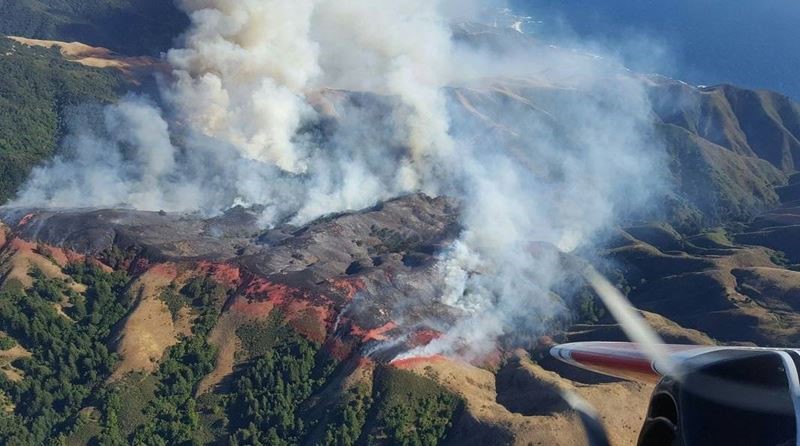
(242, 75)
(520, 218)
(255, 82)
(400, 49)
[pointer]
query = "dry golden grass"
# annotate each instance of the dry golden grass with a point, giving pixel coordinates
(223, 336)
(670, 330)
(701, 290)
(9, 356)
(17, 259)
(94, 56)
(149, 330)
(621, 405)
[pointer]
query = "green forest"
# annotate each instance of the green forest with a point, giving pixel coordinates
(132, 27)
(65, 396)
(37, 95)
(40, 87)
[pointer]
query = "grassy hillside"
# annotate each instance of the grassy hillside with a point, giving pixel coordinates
(718, 184)
(752, 123)
(174, 357)
(135, 27)
(61, 387)
(37, 89)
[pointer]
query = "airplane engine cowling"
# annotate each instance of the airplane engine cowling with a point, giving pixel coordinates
(725, 397)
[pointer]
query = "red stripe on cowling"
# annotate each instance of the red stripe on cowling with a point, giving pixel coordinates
(623, 366)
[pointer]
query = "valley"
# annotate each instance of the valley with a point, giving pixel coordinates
(280, 322)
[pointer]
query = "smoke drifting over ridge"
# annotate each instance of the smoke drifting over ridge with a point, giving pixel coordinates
(308, 107)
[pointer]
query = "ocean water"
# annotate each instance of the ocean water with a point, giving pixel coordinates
(751, 43)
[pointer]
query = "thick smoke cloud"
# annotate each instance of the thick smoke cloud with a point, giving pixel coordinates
(307, 107)
(242, 74)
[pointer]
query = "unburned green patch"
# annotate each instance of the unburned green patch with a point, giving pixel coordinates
(257, 339)
(86, 428)
(173, 300)
(136, 391)
(346, 422)
(410, 409)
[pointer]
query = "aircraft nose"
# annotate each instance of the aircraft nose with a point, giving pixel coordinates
(560, 352)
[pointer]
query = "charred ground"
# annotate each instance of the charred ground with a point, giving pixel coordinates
(148, 326)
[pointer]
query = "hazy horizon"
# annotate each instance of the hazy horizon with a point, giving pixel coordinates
(704, 42)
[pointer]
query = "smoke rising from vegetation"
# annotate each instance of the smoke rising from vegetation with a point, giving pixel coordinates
(242, 73)
(306, 107)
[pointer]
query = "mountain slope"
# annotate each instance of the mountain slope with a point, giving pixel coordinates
(129, 27)
(719, 183)
(157, 328)
(753, 123)
(226, 306)
(722, 163)
(286, 382)
(39, 86)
